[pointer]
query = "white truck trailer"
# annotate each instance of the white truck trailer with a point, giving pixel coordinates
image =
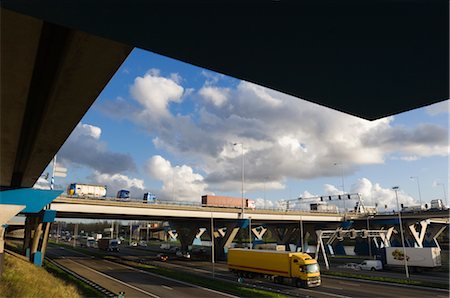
(416, 258)
(86, 190)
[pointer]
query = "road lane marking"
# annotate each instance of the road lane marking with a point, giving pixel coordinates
(166, 287)
(334, 288)
(324, 293)
(117, 280)
(349, 284)
(173, 280)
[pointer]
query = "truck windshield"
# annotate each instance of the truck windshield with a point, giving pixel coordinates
(312, 268)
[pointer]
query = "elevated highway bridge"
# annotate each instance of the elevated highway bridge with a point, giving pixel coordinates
(57, 56)
(285, 226)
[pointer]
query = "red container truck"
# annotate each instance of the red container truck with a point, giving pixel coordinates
(222, 201)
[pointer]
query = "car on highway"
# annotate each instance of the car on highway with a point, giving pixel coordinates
(371, 265)
(352, 266)
(133, 243)
(183, 254)
(142, 243)
(162, 257)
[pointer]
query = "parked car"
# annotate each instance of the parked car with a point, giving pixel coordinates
(142, 243)
(352, 266)
(134, 243)
(371, 265)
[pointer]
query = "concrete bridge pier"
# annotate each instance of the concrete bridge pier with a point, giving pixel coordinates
(223, 237)
(37, 229)
(186, 231)
(285, 235)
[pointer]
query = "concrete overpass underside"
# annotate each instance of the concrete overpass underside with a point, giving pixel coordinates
(367, 59)
(50, 76)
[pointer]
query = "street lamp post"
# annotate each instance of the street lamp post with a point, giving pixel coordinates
(368, 236)
(395, 188)
(418, 187)
(242, 177)
(343, 186)
(212, 246)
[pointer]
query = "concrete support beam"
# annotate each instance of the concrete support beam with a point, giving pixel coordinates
(259, 232)
(224, 238)
(36, 240)
(432, 234)
(418, 237)
(186, 231)
(285, 235)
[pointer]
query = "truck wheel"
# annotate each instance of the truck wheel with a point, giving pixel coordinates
(295, 282)
(372, 269)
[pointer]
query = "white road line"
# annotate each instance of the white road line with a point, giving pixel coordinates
(325, 293)
(334, 288)
(119, 281)
(174, 280)
(349, 284)
(166, 287)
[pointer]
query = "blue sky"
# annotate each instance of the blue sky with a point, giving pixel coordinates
(168, 127)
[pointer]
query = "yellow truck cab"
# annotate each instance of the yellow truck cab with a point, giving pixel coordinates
(299, 267)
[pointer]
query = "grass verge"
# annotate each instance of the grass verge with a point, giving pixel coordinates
(23, 279)
(388, 279)
(85, 289)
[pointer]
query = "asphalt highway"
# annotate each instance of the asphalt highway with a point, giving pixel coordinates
(331, 287)
(119, 278)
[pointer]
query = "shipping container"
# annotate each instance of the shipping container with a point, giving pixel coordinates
(222, 201)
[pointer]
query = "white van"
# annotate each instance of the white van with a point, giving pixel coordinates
(371, 265)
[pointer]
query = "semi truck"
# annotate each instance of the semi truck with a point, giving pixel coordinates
(300, 268)
(108, 244)
(416, 257)
(437, 204)
(323, 207)
(123, 194)
(149, 198)
(222, 201)
(86, 190)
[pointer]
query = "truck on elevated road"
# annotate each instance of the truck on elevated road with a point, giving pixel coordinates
(300, 268)
(221, 201)
(86, 190)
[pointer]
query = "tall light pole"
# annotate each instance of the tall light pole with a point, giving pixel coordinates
(343, 186)
(418, 187)
(395, 188)
(212, 246)
(368, 236)
(443, 189)
(242, 177)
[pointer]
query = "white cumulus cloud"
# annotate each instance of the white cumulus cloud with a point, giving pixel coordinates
(155, 93)
(116, 182)
(179, 183)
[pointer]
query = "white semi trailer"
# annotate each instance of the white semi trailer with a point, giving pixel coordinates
(416, 258)
(86, 190)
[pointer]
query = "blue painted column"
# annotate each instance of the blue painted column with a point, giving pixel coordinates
(35, 200)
